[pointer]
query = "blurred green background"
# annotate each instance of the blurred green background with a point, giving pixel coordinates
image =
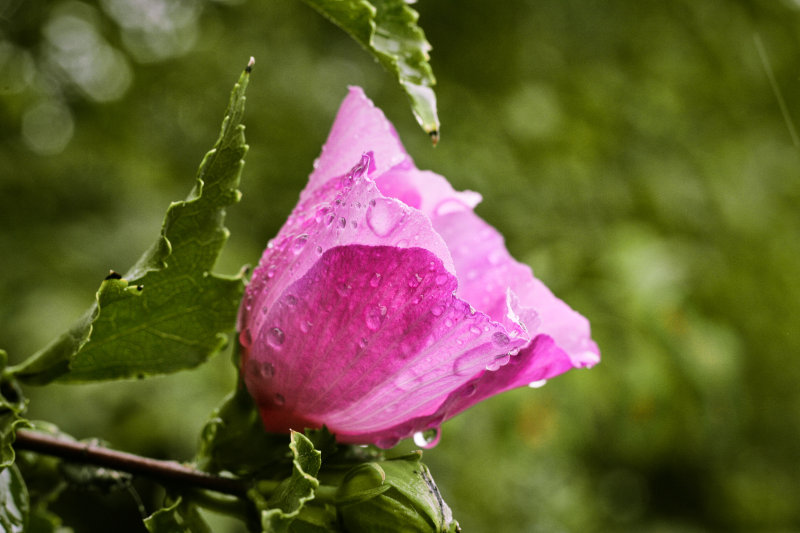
(635, 154)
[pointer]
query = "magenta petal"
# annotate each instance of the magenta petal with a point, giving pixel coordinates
(370, 337)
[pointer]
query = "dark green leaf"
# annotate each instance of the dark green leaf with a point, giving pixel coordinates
(234, 439)
(12, 404)
(179, 517)
(388, 29)
(14, 505)
(292, 494)
(169, 312)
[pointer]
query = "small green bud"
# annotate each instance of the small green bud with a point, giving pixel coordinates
(393, 496)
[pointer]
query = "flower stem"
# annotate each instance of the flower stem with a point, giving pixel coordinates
(167, 472)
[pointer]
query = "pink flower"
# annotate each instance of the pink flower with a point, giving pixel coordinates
(385, 305)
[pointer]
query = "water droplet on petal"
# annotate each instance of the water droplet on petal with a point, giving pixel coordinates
(500, 338)
(375, 316)
(537, 384)
(437, 310)
(415, 281)
(354, 224)
(384, 216)
(275, 337)
(441, 279)
(342, 222)
(319, 250)
(499, 361)
(246, 338)
(266, 370)
(305, 325)
(343, 288)
(299, 243)
(291, 300)
(271, 271)
(329, 219)
(320, 214)
(279, 399)
(475, 330)
(375, 280)
(448, 322)
(428, 438)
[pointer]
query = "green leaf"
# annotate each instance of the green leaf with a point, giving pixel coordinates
(169, 312)
(14, 506)
(179, 517)
(388, 29)
(280, 511)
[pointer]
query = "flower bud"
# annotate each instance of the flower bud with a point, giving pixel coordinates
(394, 495)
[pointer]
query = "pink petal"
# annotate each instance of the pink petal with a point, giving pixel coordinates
(370, 337)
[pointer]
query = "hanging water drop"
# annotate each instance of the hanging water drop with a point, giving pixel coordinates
(266, 370)
(537, 384)
(428, 438)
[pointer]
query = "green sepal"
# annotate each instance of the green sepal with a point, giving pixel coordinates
(234, 440)
(394, 495)
(169, 312)
(284, 506)
(14, 504)
(388, 30)
(178, 517)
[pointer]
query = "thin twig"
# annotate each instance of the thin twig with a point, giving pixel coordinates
(168, 472)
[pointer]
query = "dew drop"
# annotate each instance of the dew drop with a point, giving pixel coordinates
(448, 322)
(343, 288)
(299, 243)
(500, 338)
(375, 280)
(441, 279)
(428, 438)
(437, 310)
(375, 316)
(498, 362)
(275, 337)
(271, 271)
(415, 281)
(279, 399)
(342, 222)
(266, 370)
(384, 216)
(475, 330)
(319, 250)
(321, 213)
(291, 300)
(305, 325)
(354, 224)
(537, 384)
(246, 338)
(329, 219)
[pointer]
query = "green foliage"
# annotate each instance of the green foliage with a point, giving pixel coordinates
(178, 517)
(14, 506)
(174, 313)
(388, 29)
(393, 496)
(287, 501)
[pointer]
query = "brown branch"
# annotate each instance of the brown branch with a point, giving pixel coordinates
(168, 472)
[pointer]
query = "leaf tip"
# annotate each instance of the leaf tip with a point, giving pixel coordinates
(249, 67)
(434, 135)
